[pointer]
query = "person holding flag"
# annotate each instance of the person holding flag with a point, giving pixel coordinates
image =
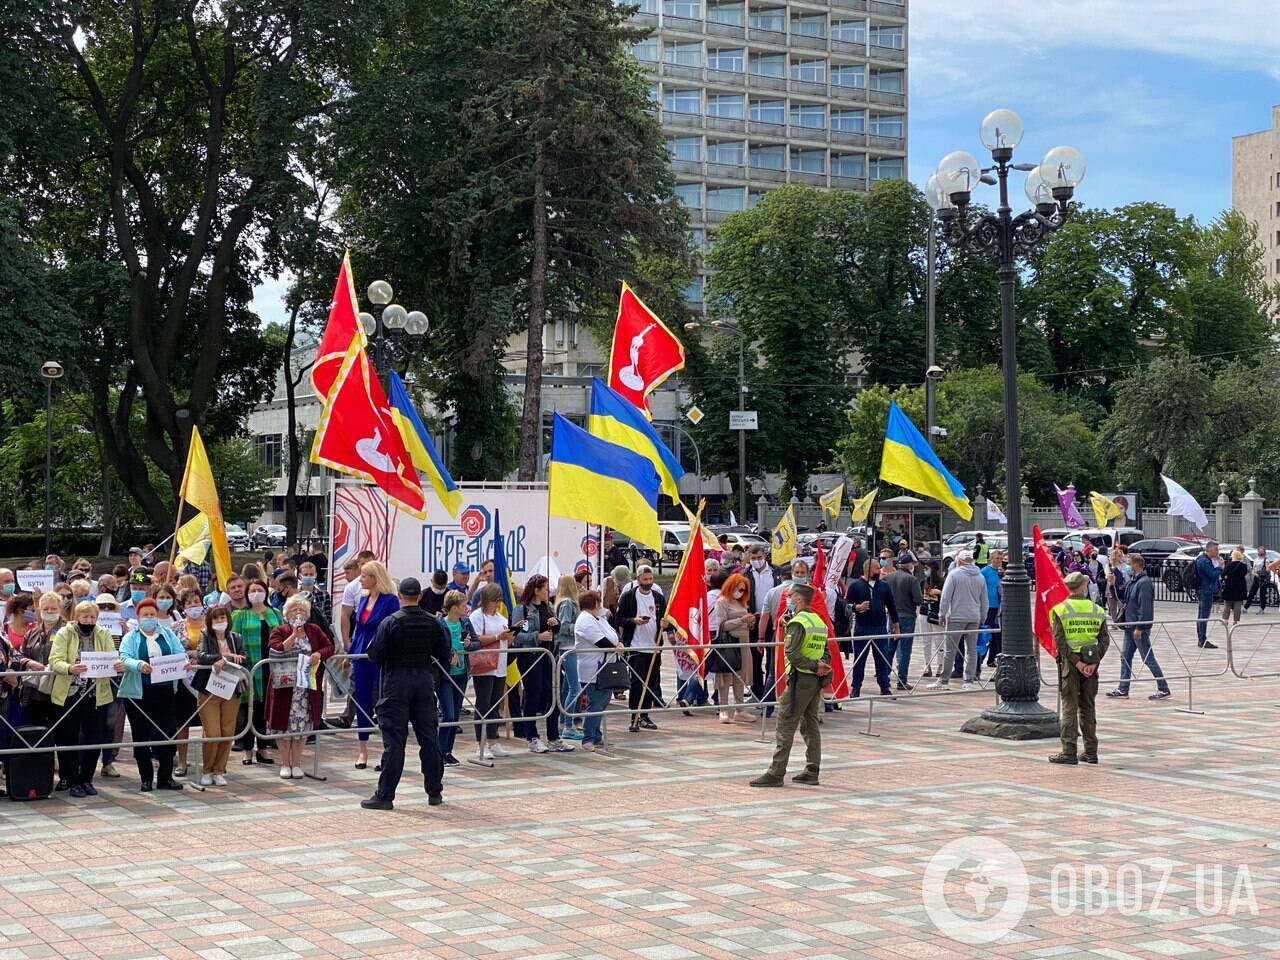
(808, 666)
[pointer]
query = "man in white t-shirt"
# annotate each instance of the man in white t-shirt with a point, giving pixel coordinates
(640, 616)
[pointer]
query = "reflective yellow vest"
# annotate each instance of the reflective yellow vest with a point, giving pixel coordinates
(1081, 620)
(815, 638)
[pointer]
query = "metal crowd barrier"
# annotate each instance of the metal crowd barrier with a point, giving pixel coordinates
(1191, 671)
(1265, 631)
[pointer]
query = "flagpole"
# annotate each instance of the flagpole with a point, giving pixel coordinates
(182, 498)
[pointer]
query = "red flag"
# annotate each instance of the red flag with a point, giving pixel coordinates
(687, 610)
(356, 435)
(343, 327)
(644, 351)
(1051, 590)
(839, 681)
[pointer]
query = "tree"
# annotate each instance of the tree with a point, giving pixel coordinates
(181, 120)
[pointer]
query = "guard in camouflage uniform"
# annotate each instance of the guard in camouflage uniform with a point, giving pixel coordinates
(1081, 638)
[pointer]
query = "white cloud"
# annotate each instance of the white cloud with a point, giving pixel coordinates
(1237, 34)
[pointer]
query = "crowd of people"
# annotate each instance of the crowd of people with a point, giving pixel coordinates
(564, 652)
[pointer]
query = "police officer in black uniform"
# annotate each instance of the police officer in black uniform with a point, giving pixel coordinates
(409, 646)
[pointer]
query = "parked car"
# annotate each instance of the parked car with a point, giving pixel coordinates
(269, 535)
(996, 540)
(737, 536)
(810, 542)
(1156, 550)
(1174, 567)
(675, 537)
(237, 537)
(1102, 537)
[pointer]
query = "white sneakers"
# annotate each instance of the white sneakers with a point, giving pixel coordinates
(286, 773)
(969, 685)
(724, 717)
(206, 780)
(219, 780)
(537, 746)
(559, 746)
(494, 750)
(938, 685)
(297, 773)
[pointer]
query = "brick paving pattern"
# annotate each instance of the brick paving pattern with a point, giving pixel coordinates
(659, 850)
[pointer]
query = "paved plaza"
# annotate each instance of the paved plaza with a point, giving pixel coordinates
(660, 851)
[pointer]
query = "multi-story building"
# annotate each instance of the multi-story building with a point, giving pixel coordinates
(1255, 188)
(754, 94)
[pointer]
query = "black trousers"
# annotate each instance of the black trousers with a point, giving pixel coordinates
(758, 672)
(488, 706)
(534, 698)
(643, 696)
(154, 718)
(82, 721)
(408, 697)
(247, 742)
(878, 652)
(1258, 590)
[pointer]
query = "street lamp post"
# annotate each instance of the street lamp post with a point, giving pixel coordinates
(50, 371)
(1049, 186)
(389, 316)
(932, 372)
(721, 327)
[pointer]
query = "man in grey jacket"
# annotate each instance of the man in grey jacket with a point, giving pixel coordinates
(907, 597)
(963, 606)
(1139, 611)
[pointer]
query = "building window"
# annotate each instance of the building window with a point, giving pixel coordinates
(887, 125)
(891, 37)
(754, 197)
(685, 148)
(769, 111)
(849, 121)
(886, 168)
(731, 60)
(690, 195)
(730, 13)
(848, 165)
(809, 25)
(774, 19)
(685, 54)
(685, 9)
(270, 450)
(849, 31)
(682, 101)
(695, 238)
(811, 71)
(724, 199)
(727, 106)
(646, 6)
(693, 292)
(730, 152)
(646, 49)
(768, 157)
(809, 161)
(769, 65)
(887, 81)
(653, 93)
(848, 75)
(813, 115)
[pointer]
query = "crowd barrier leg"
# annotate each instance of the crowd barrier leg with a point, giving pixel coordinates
(871, 709)
(1190, 707)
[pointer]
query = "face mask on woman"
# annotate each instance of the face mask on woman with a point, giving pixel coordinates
(257, 596)
(194, 612)
(220, 627)
(50, 616)
(8, 589)
(86, 629)
(299, 621)
(148, 624)
(164, 603)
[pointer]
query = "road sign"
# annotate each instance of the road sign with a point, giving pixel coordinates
(694, 414)
(743, 420)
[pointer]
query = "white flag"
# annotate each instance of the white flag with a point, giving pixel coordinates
(995, 513)
(733, 521)
(1183, 504)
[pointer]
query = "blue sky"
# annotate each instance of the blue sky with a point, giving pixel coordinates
(1151, 91)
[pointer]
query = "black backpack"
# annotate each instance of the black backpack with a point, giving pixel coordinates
(1191, 578)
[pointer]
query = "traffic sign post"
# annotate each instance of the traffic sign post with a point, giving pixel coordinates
(743, 420)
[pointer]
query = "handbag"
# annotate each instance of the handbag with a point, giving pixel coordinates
(483, 660)
(724, 660)
(613, 676)
(284, 676)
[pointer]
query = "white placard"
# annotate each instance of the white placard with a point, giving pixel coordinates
(744, 420)
(100, 663)
(172, 666)
(304, 672)
(31, 580)
(111, 620)
(223, 685)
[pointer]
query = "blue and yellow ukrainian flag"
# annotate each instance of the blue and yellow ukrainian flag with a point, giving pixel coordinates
(421, 450)
(595, 481)
(615, 419)
(910, 463)
(502, 579)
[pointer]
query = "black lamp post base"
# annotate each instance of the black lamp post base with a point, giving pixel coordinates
(1014, 720)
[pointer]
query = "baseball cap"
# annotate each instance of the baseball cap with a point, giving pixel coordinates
(1075, 579)
(1091, 654)
(409, 587)
(906, 556)
(140, 577)
(963, 556)
(133, 550)
(461, 567)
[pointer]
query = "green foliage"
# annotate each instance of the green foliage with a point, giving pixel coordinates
(244, 483)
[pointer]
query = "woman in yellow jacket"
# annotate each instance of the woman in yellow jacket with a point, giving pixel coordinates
(82, 702)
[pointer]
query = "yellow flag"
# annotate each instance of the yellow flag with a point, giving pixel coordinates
(832, 501)
(1104, 508)
(198, 489)
(861, 506)
(513, 673)
(193, 539)
(783, 542)
(709, 541)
